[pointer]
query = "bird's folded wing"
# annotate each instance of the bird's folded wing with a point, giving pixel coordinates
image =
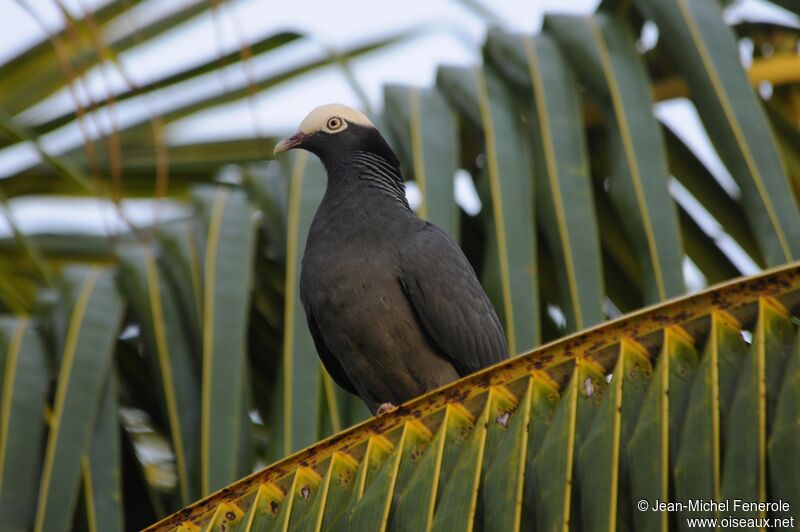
(450, 302)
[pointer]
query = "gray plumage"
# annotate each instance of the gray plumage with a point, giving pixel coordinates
(393, 305)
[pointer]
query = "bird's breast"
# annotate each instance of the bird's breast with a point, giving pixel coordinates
(346, 273)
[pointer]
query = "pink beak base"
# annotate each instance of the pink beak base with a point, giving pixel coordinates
(288, 144)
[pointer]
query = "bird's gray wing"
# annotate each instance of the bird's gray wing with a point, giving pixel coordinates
(329, 360)
(449, 301)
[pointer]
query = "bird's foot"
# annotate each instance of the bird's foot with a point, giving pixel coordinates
(385, 408)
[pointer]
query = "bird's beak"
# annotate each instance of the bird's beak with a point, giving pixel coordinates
(292, 142)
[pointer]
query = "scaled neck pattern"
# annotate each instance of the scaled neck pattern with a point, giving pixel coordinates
(382, 175)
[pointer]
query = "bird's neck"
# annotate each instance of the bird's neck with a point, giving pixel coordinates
(371, 172)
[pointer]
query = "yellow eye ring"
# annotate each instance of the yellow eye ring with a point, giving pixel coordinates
(334, 123)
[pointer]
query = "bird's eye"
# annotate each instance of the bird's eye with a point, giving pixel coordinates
(334, 123)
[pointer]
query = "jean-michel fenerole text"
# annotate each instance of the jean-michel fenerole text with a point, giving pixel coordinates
(709, 505)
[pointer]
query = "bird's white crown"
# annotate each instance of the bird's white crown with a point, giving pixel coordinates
(318, 119)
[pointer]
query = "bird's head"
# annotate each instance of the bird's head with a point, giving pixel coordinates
(335, 131)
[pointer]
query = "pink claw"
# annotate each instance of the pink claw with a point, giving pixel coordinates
(384, 408)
